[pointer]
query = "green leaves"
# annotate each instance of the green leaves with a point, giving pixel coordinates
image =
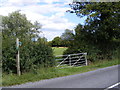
(33, 54)
(100, 35)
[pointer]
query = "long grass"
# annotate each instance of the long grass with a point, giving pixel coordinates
(52, 72)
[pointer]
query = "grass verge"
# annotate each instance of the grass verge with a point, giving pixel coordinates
(47, 73)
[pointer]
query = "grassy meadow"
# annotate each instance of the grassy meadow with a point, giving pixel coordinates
(58, 50)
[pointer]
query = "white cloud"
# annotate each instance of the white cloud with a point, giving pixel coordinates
(18, 2)
(51, 34)
(49, 1)
(50, 15)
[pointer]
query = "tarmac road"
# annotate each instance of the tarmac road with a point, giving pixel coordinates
(100, 78)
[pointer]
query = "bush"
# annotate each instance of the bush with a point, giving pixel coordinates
(116, 54)
(93, 53)
(33, 55)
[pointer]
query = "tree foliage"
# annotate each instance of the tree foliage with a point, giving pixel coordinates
(33, 54)
(100, 33)
(56, 42)
(63, 40)
(67, 37)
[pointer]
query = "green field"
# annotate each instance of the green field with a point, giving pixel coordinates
(58, 50)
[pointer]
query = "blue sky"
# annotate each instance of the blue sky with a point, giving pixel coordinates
(50, 13)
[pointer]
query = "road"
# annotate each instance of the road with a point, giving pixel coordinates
(100, 78)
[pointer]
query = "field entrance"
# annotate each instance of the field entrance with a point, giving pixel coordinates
(79, 59)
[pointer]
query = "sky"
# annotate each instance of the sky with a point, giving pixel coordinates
(50, 13)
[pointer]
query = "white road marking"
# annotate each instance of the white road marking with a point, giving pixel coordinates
(113, 86)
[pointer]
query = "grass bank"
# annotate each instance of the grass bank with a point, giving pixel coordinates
(47, 73)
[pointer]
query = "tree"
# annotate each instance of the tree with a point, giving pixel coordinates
(101, 30)
(102, 18)
(56, 42)
(78, 44)
(14, 26)
(36, 27)
(67, 37)
(33, 54)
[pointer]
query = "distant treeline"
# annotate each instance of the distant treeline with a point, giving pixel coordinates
(63, 40)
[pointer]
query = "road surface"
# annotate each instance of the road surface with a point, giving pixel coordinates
(101, 78)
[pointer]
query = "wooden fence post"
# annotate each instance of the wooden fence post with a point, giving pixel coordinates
(18, 57)
(70, 60)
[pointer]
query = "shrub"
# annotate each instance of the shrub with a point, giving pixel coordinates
(32, 56)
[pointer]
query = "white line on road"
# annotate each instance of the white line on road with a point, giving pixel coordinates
(113, 86)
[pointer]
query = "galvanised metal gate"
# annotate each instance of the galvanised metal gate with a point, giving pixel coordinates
(78, 59)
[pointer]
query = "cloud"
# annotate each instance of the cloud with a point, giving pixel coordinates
(50, 14)
(18, 2)
(51, 34)
(49, 1)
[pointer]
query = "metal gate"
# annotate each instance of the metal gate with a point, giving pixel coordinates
(78, 59)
